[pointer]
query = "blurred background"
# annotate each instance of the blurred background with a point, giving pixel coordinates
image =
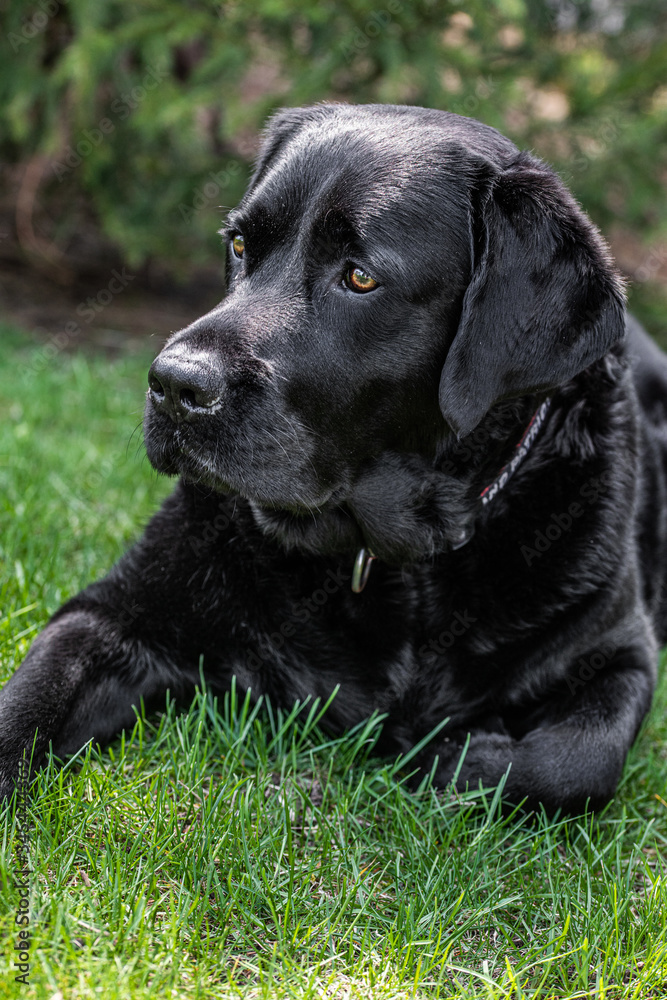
(128, 127)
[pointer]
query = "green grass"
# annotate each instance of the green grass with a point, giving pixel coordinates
(235, 852)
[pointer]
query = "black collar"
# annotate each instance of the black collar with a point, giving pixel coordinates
(522, 449)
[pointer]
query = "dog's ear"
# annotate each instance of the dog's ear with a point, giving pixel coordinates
(544, 300)
(281, 126)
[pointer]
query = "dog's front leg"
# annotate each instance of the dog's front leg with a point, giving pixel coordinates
(576, 753)
(80, 681)
(127, 638)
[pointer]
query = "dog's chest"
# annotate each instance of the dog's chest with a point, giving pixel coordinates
(402, 637)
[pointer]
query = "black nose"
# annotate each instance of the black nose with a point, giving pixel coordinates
(184, 385)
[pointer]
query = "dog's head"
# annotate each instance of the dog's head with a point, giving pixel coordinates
(393, 273)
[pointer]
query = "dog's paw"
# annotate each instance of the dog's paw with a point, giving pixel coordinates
(482, 758)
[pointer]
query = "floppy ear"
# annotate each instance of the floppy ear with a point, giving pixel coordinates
(544, 300)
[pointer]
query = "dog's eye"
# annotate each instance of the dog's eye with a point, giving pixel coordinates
(358, 281)
(238, 245)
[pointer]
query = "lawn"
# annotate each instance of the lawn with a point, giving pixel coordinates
(234, 852)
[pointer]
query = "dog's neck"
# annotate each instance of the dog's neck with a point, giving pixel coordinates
(406, 508)
(465, 528)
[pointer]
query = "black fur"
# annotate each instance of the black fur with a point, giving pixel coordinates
(307, 420)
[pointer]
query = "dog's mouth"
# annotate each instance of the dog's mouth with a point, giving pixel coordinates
(272, 492)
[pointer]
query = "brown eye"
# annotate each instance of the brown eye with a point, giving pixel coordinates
(238, 245)
(358, 281)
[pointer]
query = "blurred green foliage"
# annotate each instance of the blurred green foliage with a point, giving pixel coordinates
(142, 115)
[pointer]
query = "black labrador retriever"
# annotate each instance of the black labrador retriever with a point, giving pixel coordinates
(421, 457)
